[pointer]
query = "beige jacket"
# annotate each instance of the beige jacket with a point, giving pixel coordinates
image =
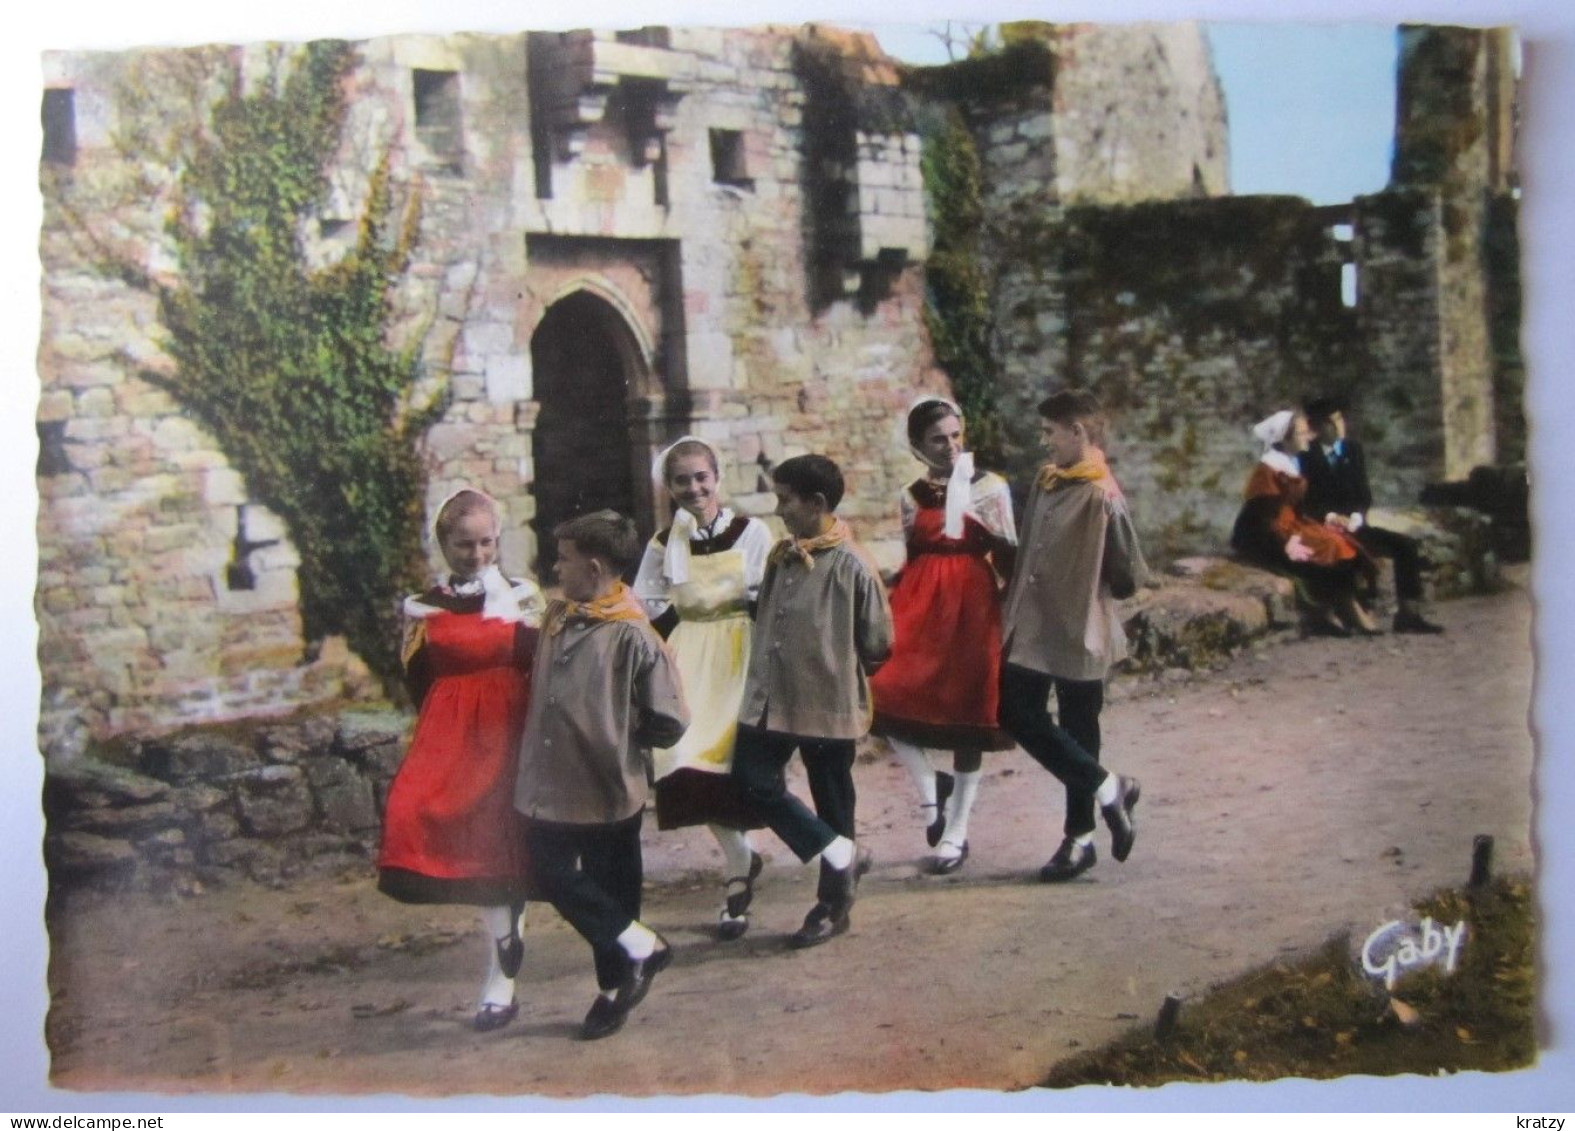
(1077, 557)
(601, 691)
(819, 634)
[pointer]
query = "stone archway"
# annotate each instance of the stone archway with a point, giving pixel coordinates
(588, 368)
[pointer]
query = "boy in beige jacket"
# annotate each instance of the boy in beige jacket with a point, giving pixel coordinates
(822, 627)
(1078, 556)
(603, 690)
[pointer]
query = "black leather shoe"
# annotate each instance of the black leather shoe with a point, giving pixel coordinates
(603, 1020)
(641, 974)
(1415, 623)
(944, 784)
(822, 924)
(607, 1015)
(946, 865)
(844, 887)
(1069, 862)
(490, 1016)
(1118, 817)
(511, 953)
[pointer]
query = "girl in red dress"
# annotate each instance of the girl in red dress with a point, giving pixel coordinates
(939, 689)
(450, 832)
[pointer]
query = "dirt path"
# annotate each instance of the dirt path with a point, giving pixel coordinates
(1310, 787)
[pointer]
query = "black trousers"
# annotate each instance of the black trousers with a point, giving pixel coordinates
(592, 875)
(1403, 551)
(759, 759)
(1070, 751)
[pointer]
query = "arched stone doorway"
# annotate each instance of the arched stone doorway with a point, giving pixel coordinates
(589, 369)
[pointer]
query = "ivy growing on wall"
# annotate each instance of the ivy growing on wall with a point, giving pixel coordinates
(957, 308)
(290, 367)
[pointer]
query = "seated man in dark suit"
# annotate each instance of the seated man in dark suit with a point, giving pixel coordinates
(1336, 472)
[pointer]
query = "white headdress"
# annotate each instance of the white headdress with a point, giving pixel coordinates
(958, 487)
(675, 562)
(501, 602)
(1271, 430)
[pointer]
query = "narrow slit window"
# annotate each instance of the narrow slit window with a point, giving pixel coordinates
(52, 457)
(60, 127)
(438, 124)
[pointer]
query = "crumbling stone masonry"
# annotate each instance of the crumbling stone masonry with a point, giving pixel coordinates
(617, 247)
(1192, 318)
(626, 236)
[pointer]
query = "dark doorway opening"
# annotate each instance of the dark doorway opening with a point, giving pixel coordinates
(585, 361)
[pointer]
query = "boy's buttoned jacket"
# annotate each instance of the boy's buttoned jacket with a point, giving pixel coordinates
(819, 634)
(601, 691)
(1077, 556)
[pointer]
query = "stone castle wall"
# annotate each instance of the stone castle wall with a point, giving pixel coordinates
(737, 218)
(595, 173)
(1191, 320)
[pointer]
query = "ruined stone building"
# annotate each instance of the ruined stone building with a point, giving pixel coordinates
(629, 236)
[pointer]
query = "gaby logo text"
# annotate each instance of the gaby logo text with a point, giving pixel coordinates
(1396, 947)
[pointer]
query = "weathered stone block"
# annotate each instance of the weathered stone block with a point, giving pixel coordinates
(1277, 593)
(273, 801)
(231, 853)
(75, 855)
(1189, 626)
(197, 754)
(218, 826)
(131, 821)
(293, 742)
(363, 730)
(1456, 543)
(199, 798)
(344, 798)
(54, 406)
(86, 782)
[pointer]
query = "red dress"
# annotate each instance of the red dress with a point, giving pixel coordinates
(450, 831)
(940, 688)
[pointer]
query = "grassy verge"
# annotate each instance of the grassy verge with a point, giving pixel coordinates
(1322, 1017)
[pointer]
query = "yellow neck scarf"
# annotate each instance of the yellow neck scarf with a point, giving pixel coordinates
(1086, 470)
(805, 547)
(617, 605)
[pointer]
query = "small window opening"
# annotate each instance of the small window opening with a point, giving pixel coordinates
(728, 163)
(438, 125)
(52, 457)
(240, 575)
(60, 127)
(1348, 284)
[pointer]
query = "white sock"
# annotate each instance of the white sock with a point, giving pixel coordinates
(1108, 791)
(917, 761)
(496, 989)
(839, 853)
(1084, 840)
(736, 853)
(496, 920)
(638, 940)
(960, 805)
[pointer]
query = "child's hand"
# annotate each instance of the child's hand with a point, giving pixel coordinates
(1297, 550)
